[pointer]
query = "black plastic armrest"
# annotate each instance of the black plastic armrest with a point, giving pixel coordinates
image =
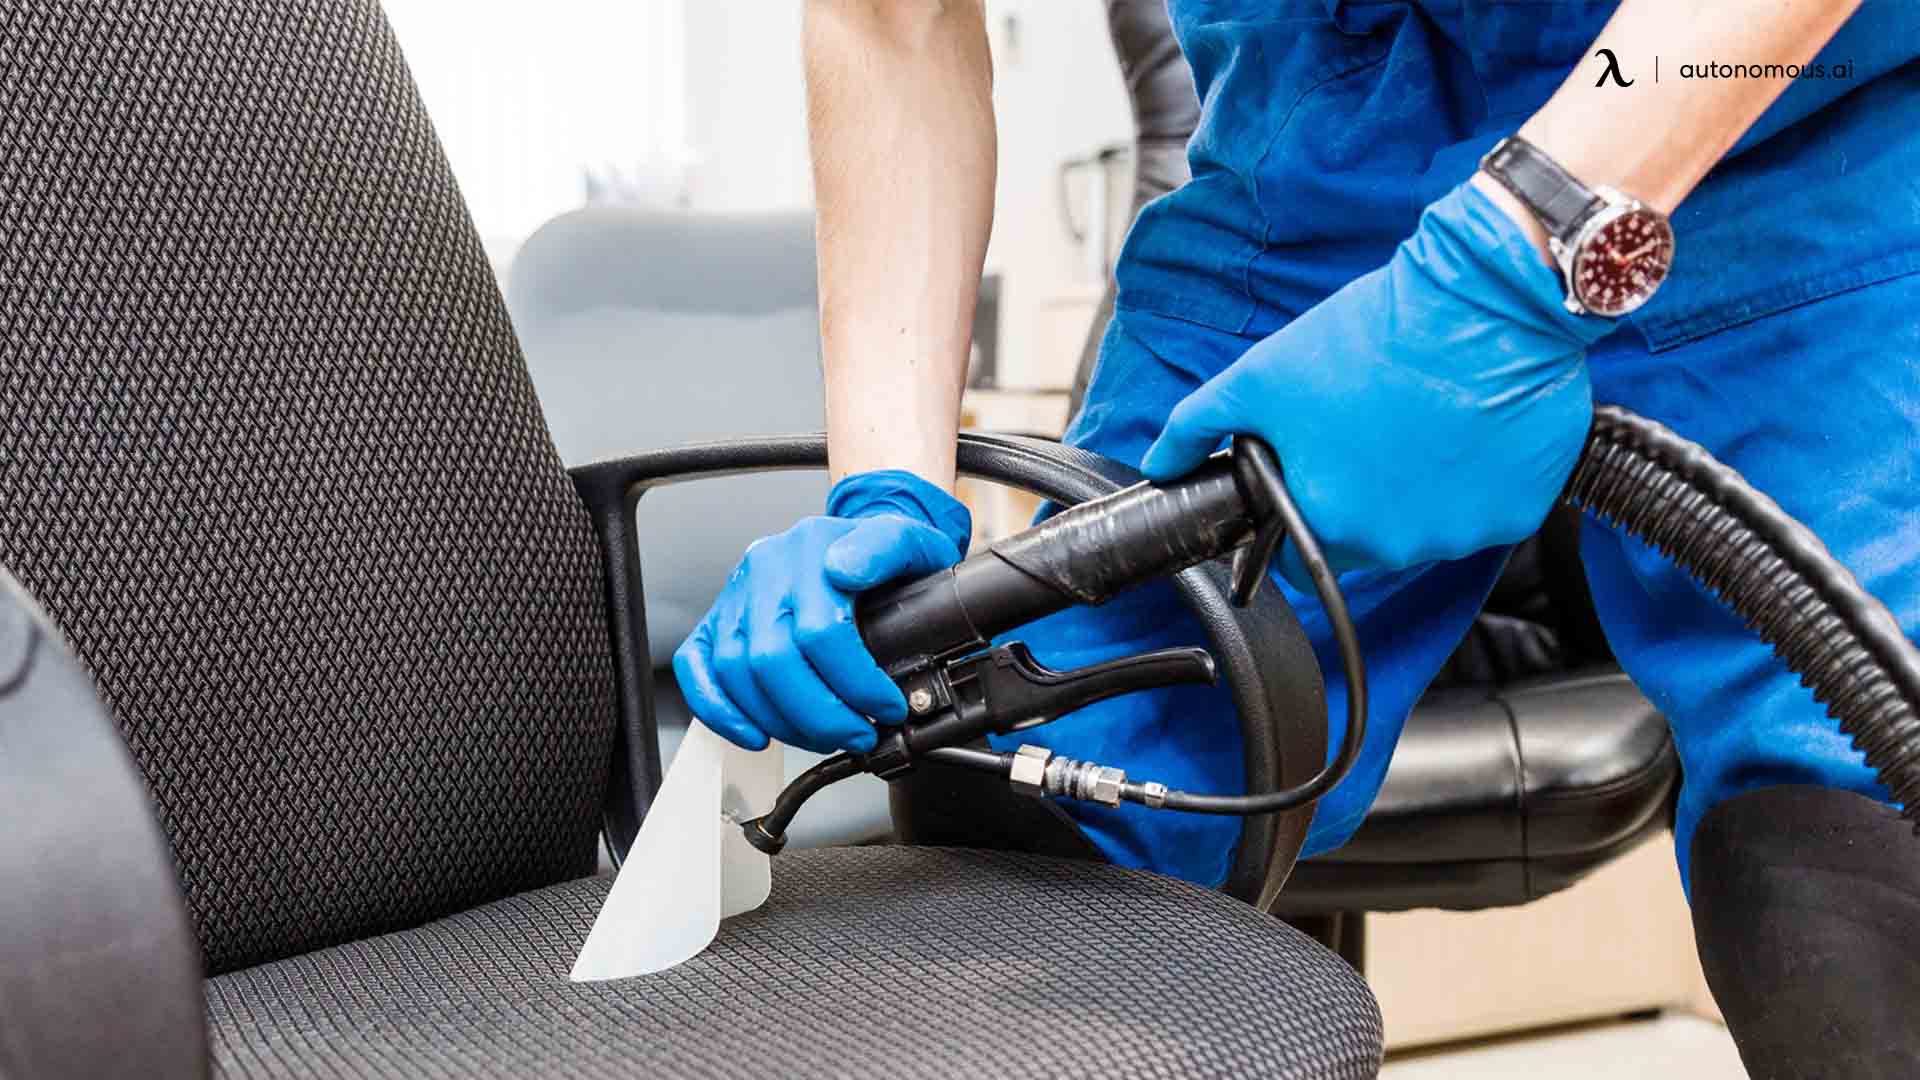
(99, 970)
(1267, 660)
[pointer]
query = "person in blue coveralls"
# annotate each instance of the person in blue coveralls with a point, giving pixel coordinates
(1419, 241)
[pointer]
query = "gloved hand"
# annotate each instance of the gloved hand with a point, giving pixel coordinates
(1426, 411)
(779, 655)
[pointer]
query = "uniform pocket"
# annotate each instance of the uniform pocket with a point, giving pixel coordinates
(1828, 205)
(1257, 65)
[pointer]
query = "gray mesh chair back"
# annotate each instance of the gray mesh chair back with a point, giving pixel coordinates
(647, 329)
(273, 464)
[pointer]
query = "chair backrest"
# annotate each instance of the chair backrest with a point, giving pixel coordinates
(271, 460)
(646, 329)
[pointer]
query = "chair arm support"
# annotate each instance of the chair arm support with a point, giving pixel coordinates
(99, 969)
(1267, 661)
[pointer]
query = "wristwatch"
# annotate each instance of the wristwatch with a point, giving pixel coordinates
(1613, 250)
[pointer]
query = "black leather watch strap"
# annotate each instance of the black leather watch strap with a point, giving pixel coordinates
(1555, 197)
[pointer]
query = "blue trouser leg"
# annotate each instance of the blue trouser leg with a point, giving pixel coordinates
(1819, 407)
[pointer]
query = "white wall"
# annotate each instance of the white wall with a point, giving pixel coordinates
(527, 96)
(1057, 95)
(746, 102)
(702, 103)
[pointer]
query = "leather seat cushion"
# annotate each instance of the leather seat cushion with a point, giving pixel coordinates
(1497, 797)
(879, 961)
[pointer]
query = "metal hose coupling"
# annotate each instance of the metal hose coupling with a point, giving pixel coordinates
(1038, 771)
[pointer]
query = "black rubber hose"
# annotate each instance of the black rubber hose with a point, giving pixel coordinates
(1352, 663)
(768, 832)
(993, 761)
(1774, 573)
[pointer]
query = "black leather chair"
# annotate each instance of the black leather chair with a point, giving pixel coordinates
(274, 468)
(1532, 761)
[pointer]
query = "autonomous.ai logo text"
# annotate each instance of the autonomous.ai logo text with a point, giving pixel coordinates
(1612, 71)
(1716, 69)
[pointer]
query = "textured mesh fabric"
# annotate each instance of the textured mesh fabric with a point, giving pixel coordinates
(270, 458)
(876, 962)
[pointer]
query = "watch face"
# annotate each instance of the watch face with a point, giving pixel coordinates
(1620, 263)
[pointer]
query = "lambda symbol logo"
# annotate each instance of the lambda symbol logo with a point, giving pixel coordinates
(1613, 70)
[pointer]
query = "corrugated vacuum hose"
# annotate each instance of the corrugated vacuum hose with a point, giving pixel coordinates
(1771, 571)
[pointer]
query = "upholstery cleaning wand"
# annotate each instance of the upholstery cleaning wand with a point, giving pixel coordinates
(934, 635)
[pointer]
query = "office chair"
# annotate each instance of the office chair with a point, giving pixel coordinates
(277, 475)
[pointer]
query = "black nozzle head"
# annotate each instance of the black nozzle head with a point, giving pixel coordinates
(1257, 472)
(757, 835)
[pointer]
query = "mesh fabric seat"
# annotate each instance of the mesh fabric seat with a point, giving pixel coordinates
(865, 962)
(274, 467)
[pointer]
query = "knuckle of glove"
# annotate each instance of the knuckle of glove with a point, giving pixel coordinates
(815, 635)
(933, 547)
(729, 650)
(765, 658)
(688, 655)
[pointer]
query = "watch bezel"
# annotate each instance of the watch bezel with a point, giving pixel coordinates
(1567, 253)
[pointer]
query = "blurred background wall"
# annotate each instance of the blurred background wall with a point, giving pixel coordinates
(699, 104)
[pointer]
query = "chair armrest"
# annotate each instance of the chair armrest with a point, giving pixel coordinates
(99, 969)
(1268, 662)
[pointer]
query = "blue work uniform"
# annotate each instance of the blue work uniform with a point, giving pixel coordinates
(1787, 341)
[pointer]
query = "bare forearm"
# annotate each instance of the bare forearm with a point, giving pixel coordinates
(1656, 140)
(900, 117)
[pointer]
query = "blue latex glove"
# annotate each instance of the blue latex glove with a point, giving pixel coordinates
(779, 655)
(1426, 411)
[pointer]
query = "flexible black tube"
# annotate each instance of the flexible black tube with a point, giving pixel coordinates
(768, 832)
(992, 761)
(1327, 587)
(1774, 573)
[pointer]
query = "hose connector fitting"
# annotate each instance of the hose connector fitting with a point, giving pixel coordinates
(1039, 771)
(1029, 772)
